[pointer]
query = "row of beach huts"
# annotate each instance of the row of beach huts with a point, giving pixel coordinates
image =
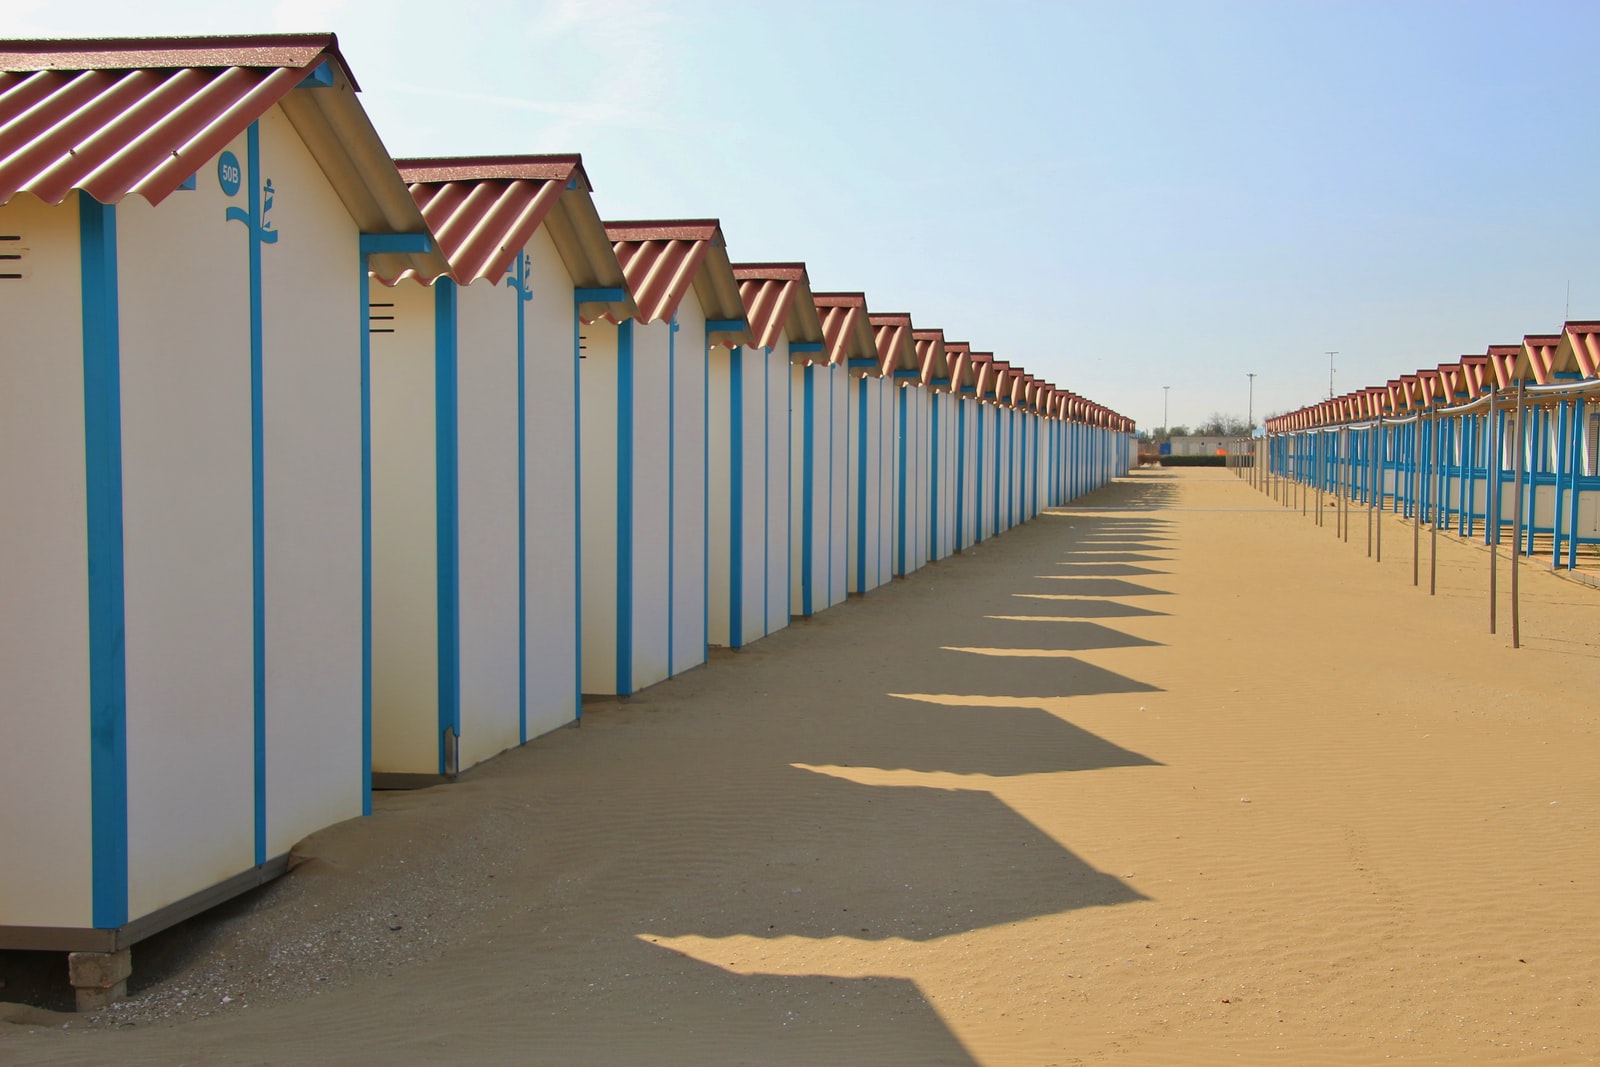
(324, 470)
(1512, 434)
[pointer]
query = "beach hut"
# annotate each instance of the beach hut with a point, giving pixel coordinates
(821, 452)
(941, 451)
(474, 463)
(758, 539)
(964, 442)
(649, 497)
(987, 458)
(869, 432)
(895, 338)
(183, 390)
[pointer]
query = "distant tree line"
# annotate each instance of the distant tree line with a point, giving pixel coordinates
(1218, 425)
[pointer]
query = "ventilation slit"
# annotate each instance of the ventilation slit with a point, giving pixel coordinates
(377, 313)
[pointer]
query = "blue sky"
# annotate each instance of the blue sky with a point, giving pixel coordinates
(1117, 196)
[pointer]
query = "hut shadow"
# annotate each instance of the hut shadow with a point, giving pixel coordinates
(1102, 569)
(1066, 606)
(1061, 631)
(794, 1020)
(1111, 588)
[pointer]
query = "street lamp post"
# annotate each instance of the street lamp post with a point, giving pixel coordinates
(1330, 374)
(1165, 392)
(1250, 415)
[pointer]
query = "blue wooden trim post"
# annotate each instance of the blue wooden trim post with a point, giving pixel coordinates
(624, 503)
(447, 509)
(808, 481)
(102, 440)
(736, 510)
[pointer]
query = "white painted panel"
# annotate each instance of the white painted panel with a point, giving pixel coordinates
(45, 876)
(886, 390)
(815, 381)
(313, 498)
(486, 389)
(551, 406)
(688, 594)
(652, 419)
(753, 495)
(720, 496)
(185, 306)
(779, 385)
(598, 384)
(405, 603)
(838, 484)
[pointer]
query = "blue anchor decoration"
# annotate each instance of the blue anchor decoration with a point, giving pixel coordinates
(519, 280)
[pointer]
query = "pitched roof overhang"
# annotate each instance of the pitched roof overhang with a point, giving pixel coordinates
(963, 375)
(896, 347)
(483, 210)
(139, 116)
(1534, 361)
(846, 332)
(1579, 351)
(1503, 361)
(931, 356)
(777, 300)
(663, 259)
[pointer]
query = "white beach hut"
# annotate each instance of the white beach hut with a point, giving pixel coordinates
(941, 448)
(183, 387)
(651, 486)
(784, 329)
(909, 459)
(869, 435)
(475, 463)
(821, 419)
(964, 443)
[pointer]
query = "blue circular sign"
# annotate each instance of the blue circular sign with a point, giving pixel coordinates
(228, 173)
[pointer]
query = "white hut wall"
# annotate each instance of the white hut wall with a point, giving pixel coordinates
(866, 476)
(650, 477)
(488, 520)
(839, 527)
(748, 572)
(942, 473)
(598, 385)
(312, 498)
(719, 494)
(550, 436)
(689, 357)
(405, 601)
(46, 878)
(778, 387)
(886, 393)
(811, 447)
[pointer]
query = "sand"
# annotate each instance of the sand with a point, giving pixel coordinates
(1170, 776)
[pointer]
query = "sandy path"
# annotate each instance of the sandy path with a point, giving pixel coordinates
(1170, 777)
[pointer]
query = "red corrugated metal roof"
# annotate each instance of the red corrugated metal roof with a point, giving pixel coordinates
(138, 115)
(1503, 361)
(958, 354)
(846, 332)
(931, 354)
(1537, 357)
(481, 225)
(663, 259)
(1580, 350)
(892, 335)
(777, 299)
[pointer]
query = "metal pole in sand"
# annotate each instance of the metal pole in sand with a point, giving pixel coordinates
(1433, 530)
(1350, 479)
(1383, 478)
(1491, 503)
(1516, 524)
(1372, 436)
(1416, 502)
